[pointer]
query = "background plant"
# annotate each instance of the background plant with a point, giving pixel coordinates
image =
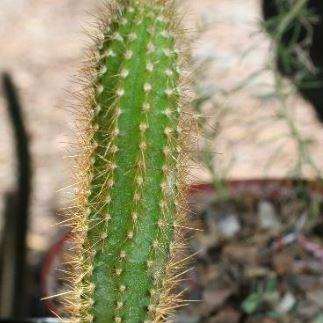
(219, 118)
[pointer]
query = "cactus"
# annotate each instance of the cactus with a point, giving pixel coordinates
(130, 204)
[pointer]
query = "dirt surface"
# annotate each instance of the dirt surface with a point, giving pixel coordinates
(42, 43)
(259, 256)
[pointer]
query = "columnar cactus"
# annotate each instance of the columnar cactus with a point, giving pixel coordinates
(130, 204)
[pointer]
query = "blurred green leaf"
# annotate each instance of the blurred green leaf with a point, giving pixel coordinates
(251, 303)
(271, 285)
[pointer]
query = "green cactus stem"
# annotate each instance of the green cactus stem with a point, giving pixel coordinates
(132, 193)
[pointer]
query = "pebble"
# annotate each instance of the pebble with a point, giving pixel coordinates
(267, 216)
(229, 225)
(286, 304)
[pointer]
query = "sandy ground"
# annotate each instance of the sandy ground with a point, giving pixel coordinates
(42, 43)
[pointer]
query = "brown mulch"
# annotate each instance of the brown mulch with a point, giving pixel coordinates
(259, 261)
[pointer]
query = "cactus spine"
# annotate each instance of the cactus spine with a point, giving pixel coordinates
(131, 200)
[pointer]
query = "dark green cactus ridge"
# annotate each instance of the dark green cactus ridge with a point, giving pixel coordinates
(132, 195)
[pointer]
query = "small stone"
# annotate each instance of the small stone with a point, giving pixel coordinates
(242, 253)
(216, 297)
(226, 315)
(286, 303)
(267, 216)
(229, 225)
(316, 296)
(186, 318)
(283, 263)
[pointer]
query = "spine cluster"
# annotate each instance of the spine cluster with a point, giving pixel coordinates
(131, 199)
